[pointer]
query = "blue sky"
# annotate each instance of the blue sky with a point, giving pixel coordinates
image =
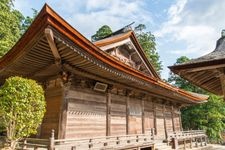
(181, 27)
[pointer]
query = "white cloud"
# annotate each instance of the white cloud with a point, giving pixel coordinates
(89, 15)
(196, 24)
(175, 10)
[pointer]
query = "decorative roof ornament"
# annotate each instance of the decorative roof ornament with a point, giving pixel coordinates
(122, 30)
(223, 33)
(220, 44)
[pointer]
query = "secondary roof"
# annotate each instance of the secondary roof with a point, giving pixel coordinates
(207, 71)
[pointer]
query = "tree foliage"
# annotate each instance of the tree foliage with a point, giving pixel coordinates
(22, 106)
(147, 42)
(12, 25)
(28, 20)
(209, 116)
(101, 33)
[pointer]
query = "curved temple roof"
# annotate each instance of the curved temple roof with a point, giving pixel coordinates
(32, 56)
(205, 71)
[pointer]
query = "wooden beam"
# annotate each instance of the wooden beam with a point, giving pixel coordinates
(180, 121)
(154, 115)
(131, 54)
(116, 51)
(143, 115)
(63, 112)
(206, 77)
(50, 37)
(164, 119)
(222, 82)
(203, 68)
(108, 113)
(129, 93)
(173, 118)
(193, 75)
(81, 72)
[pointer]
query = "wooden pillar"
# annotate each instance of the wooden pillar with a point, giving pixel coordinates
(63, 110)
(108, 113)
(180, 120)
(191, 143)
(127, 114)
(201, 141)
(172, 113)
(143, 115)
(164, 118)
(154, 115)
(222, 81)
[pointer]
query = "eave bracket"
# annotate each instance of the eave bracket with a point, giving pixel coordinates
(50, 37)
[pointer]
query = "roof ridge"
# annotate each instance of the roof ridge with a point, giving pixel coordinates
(124, 29)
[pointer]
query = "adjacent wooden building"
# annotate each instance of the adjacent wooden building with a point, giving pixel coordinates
(206, 71)
(94, 89)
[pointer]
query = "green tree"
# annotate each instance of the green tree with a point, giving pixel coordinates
(209, 116)
(10, 25)
(26, 22)
(101, 33)
(147, 42)
(22, 106)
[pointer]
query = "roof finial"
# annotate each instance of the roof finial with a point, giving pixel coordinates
(223, 33)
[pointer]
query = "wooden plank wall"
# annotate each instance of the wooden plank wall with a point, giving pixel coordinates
(86, 116)
(92, 114)
(135, 116)
(149, 115)
(168, 118)
(53, 98)
(118, 115)
(160, 129)
(176, 118)
(177, 122)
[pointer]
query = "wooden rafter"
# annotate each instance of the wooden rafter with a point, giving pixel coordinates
(205, 68)
(51, 42)
(222, 81)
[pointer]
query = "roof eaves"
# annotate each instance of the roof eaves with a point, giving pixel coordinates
(54, 20)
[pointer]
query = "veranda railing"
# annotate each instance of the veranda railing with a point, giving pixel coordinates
(191, 138)
(95, 143)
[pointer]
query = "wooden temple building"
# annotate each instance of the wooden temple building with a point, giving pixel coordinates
(105, 88)
(206, 71)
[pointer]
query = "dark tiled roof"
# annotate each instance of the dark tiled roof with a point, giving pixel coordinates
(217, 54)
